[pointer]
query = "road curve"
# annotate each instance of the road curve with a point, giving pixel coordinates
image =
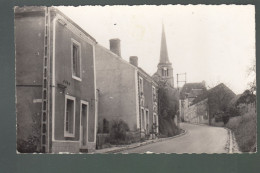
(199, 139)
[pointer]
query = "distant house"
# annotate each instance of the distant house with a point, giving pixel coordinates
(126, 92)
(188, 93)
(56, 99)
(210, 104)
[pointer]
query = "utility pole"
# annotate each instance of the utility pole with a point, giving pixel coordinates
(181, 81)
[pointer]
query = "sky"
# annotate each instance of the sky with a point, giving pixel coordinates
(214, 43)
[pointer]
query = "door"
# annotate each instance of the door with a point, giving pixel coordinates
(84, 122)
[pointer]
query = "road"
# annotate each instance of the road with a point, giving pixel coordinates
(199, 139)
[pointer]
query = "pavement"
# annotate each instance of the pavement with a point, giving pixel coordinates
(196, 139)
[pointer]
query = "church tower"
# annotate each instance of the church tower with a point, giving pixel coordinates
(165, 70)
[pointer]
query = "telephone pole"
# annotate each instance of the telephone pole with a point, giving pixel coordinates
(181, 81)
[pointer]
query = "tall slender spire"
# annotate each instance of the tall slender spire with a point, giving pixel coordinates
(164, 59)
(165, 70)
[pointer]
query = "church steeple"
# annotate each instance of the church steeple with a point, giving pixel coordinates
(165, 70)
(164, 52)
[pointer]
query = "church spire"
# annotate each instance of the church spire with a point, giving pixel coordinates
(164, 59)
(165, 70)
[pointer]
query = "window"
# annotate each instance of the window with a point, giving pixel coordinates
(142, 119)
(154, 93)
(69, 118)
(165, 72)
(75, 49)
(141, 85)
(155, 123)
(84, 122)
(147, 119)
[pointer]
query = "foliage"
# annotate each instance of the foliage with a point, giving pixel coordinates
(168, 99)
(233, 111)
(32, 143)
(225, 118)
(118, 131)
(105, 126)
(252, 73)
(168, 128)
(247, 97)
(28, 146)
(244, 128)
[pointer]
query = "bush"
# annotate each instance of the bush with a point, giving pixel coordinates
(225, 119)
(167, 127)
(105, 126)
(29, 145)
(244, 128)
(118, 132)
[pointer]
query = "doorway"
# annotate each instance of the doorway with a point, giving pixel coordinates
(83, 126)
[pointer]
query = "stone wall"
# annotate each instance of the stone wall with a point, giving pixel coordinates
(197, 113)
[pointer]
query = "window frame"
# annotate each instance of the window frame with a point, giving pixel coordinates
(82, 102)
(66, 133)
(141, 86)
(78, 45)
(142, 120)
(147, 120)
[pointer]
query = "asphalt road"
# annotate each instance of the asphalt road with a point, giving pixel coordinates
(199, 139)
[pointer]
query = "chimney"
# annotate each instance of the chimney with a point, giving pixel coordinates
(133, 60)
(115, 46)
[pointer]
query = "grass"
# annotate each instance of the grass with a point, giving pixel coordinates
(244, 128)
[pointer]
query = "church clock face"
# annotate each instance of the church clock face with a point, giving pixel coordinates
(165, 68)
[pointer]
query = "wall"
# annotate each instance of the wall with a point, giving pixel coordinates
(29, 43)
(148, 101)
(116, 81)
(197, 113)
(82, 90)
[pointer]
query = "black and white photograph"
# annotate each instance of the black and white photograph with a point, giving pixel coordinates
(141, 79)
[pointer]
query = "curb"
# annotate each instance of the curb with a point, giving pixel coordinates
(143, 144)
(232, 144)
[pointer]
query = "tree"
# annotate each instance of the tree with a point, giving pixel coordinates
(168, 99)
(252, 74)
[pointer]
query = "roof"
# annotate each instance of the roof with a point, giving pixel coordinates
(220, 88)
(192, 90)
(41, 10)
(147, 75)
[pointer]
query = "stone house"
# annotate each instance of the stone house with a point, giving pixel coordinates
(188, 93)
(207, 106)
(56, 93)
(126, 92)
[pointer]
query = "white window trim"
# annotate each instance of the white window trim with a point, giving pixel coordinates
(142, 111)
(153, 92)
(74, 42)
(147, 121)
(66, 134)
(141, 86)
(85, 103)
(156, 121)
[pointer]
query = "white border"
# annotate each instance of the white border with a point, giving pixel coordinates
(82, 102)
(141, 87)
(74, 42)
(67, 134)
(147, 121)
(137, 100)
(142, 128)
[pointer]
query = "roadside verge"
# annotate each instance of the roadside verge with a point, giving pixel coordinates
(135, 145)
